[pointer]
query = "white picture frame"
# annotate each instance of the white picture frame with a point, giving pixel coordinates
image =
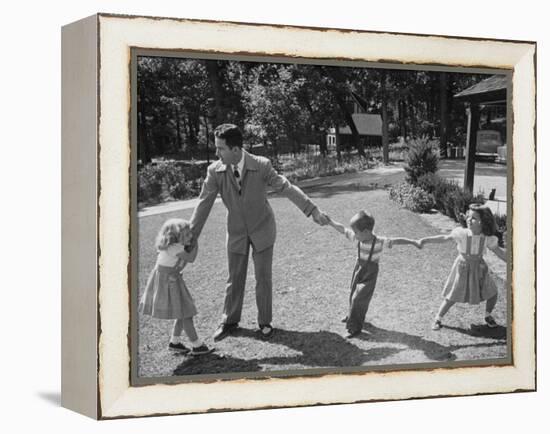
(96, 215)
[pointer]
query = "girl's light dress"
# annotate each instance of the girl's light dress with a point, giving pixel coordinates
(166, 296)
(470, 280)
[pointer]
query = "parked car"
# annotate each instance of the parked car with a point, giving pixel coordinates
(488, 142)
(501, 151)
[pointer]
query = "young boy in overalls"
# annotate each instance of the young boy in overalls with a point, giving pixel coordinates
(365, 273)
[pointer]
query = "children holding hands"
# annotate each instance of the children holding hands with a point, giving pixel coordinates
(469, 280)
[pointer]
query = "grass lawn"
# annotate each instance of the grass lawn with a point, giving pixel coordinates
(311, 273)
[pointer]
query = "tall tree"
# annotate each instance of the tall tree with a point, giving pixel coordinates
(384, 109)
(273, 111)
(339, 82)
(443, 113)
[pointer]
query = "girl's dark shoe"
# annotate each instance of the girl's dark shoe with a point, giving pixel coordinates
(178, 347)
(199, 351)
(490, 321)
(437, 325)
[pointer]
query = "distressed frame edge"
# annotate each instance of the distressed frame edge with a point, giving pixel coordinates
(79, 219)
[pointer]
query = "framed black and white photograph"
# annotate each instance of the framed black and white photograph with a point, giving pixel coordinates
(287, 216)
(396, 144)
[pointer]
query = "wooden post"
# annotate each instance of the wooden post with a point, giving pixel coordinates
(443, 114)
(473, 123)
(338, 142)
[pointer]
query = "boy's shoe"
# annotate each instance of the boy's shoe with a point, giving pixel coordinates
(178, 347)
(490, 321)
(201, 350)
(352, 334)
(266, 330)
(437, 325)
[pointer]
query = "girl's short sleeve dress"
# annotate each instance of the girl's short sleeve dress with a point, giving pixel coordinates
(166, 295)
(470, 280)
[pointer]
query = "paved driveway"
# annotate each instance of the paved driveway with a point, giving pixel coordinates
(486, 177)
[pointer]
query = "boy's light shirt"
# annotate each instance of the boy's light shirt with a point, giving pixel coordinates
(365, 247)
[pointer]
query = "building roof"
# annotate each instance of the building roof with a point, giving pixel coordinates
(491, 89)
(366, 124)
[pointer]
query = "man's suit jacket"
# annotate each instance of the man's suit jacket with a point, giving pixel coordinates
(249, 215)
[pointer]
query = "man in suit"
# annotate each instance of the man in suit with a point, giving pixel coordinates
(242, 179)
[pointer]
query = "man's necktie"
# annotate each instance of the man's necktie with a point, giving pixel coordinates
(237, 177)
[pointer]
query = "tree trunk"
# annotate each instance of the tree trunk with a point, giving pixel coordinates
(443, 114)
(207, 136)
(355, 142)
(412, 115)
(191, 135)
(471, 144)
(339, 96)
(143, 146)
(322, 140)
(338, 144)
(214, 75)
(178, 131)
(385, 142)
(403, 118)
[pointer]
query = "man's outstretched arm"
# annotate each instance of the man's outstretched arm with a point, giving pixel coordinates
(282, 185)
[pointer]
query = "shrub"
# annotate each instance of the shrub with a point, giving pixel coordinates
(166, 180)
(448, 196)
(500, 220)
(421, 159)
(174, 181)
(149, 183)
(428, 182)
(306, 166)
(412, 197)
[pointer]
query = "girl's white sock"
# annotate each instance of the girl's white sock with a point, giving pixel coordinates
(175, 339)
(196, 343)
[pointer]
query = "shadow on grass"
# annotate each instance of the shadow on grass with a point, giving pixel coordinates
(316, 349)
(481, 331)
(215, 363)
(320, 349)
(326, 349)
(432, 350)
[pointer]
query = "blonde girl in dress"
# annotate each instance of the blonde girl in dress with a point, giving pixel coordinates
(166, 296)
(469, 280)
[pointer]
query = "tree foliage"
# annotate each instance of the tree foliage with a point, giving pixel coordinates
(286, 106)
